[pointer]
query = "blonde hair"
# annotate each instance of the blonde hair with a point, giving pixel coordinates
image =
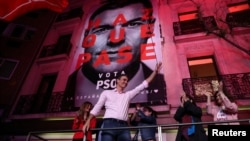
(80, 112)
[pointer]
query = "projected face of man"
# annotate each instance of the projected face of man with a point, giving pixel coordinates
(118, 54)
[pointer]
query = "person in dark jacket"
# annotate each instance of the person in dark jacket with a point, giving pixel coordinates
(189, 112)
(144, 116)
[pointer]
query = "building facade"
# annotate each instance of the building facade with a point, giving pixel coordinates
(199, 42)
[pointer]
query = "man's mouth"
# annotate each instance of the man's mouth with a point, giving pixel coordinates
(114, 52)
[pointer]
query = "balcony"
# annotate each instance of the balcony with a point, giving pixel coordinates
(58, 51)
(55, 49)
(165, 132)
(236, 86)
(194, 26)
(29, 104)
(238, 19)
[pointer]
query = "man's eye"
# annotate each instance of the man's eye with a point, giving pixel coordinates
(134, 24)
(100, 30)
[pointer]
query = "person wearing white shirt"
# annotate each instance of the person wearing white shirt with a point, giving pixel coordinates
(116, 103)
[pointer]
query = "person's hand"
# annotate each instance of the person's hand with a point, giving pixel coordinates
(85, 127)
(154, 73)
(138, 106)
(183, 95)
(158, 67)
(220, 87)
(206, 93)
(221, 95)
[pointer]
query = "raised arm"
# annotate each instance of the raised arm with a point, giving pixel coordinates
(227, 104)
(153, 74)
(208, 106)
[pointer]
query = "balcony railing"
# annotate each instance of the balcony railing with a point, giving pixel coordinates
(54, 49)
(235, 86)
(238, 19)
(26, 104)
(194, 26)
(39, 135)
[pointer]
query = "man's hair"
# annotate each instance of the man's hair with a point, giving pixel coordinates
(216, 93)
(114, 4)
(121, 75)
(154, 113)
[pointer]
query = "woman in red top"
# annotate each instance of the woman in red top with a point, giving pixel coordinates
(81, 116)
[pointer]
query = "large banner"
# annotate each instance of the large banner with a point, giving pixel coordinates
(118, 38)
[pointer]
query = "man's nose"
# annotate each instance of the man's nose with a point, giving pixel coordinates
(117, 35)
(118, 30)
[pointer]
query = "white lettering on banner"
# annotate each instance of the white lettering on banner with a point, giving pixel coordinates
(106, 84)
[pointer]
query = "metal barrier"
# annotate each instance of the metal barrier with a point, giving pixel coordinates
(159, 128)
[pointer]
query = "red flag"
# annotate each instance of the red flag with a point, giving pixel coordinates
(10, 9)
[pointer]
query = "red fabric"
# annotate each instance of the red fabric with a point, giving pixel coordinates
(78, 124)
(10, 9)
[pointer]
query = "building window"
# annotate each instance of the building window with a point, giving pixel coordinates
(20, 32)
(188, 16)
(238, 15)
(44, 93)
(17, 31)
(29, 34)
(203, 72)
(238, 7)
(74, 13)
(188, 23)
(62, 46)
(3, 26)
(202, 67)
(7, 68)
(13, 43)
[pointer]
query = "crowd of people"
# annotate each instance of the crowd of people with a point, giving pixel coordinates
(116, 103)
